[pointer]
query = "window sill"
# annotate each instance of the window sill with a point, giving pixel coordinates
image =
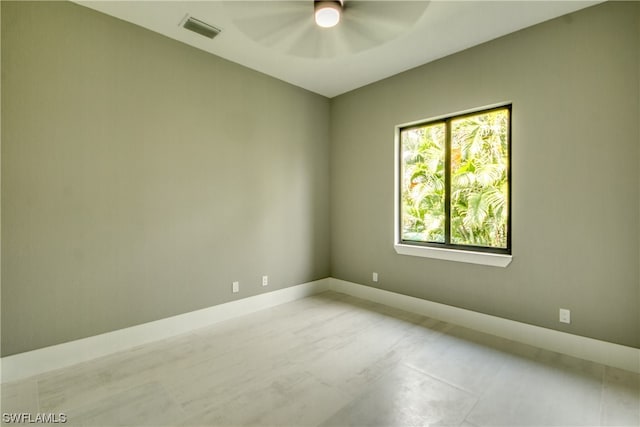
(482, 258)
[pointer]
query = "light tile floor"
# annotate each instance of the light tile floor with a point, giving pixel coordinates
(333, 360)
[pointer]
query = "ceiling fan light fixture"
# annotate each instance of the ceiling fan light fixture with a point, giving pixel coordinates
(327, 13)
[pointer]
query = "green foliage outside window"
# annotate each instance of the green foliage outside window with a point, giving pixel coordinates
(479, 183)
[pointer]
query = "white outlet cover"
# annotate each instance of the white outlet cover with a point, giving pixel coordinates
(565, 315)
(375, 277)
(265, 280)
(236, 287)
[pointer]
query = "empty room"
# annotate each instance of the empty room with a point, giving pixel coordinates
(320, 213)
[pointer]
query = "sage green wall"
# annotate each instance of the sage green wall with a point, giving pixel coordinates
(140, 177)
(574, 84)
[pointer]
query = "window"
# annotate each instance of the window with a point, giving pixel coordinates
(454, 184)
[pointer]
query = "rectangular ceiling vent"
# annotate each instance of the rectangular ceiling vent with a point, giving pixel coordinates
(202, 28)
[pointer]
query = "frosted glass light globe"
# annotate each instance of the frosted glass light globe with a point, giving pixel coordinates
(327, 14)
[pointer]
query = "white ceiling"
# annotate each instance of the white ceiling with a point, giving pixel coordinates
(278, 38)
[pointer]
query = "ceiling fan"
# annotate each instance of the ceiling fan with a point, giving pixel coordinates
(324, 29)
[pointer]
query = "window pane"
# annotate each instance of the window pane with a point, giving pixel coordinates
(479, 179)
(423, 187)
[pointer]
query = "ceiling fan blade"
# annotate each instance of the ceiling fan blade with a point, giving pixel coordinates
(318, 43)
(270, 22)
(390, 15)
(372, 23)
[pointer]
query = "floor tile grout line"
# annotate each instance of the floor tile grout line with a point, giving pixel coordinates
(172, 397)
(442, 380)
(466, 420)
(602, 380)
(37, 394)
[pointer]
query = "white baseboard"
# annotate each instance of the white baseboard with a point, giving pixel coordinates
(38, 361)
(24, 365)
(607, 353)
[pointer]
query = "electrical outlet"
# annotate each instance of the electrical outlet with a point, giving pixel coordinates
(565, 315)
(265, 280)
(236, 287)
(375, 276)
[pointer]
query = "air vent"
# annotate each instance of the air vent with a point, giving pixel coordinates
(202, 28)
